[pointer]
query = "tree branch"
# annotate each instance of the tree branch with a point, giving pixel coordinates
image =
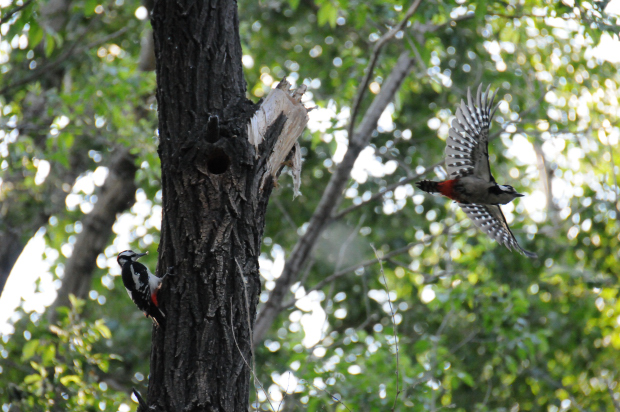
(117, 194)
(373, 62)
(613, 399)
(67, 54)
(331, 196)
(7, 16)
(366, 263)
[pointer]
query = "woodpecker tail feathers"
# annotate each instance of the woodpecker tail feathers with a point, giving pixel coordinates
(158, 316)
(428, 186)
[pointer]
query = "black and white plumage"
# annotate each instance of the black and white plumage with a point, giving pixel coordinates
(471, 183)
(491, 220)
(467, 150)
(141, 285)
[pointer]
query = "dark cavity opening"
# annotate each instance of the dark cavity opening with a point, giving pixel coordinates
(218, 161)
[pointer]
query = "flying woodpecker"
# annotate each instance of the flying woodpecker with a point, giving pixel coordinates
(472, 185)
(141, 285)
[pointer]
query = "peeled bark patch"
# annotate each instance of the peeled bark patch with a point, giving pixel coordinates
(281, 101)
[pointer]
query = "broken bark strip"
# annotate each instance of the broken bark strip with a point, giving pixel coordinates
(281, 101)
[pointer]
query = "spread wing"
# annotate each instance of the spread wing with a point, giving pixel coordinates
(491, 220)
(467, 144)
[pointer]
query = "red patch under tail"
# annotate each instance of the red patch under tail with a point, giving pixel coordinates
(446, 188)
(154, 298)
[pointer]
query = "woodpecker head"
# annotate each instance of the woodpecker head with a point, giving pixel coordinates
(129, 256)
(509, 190)
(507, 193)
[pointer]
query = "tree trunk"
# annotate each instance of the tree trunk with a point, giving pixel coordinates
(216, 184)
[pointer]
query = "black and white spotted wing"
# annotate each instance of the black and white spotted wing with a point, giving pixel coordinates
(136, 280)
(467, 150)
(491, 220)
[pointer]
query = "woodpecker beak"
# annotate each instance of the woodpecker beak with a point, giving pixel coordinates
(139, 255)
(519, 195)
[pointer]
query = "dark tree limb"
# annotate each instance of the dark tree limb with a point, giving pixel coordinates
(374, 58)
(117, 195)
(7, 15)
(70, 52)
(11, 247)
(331, 197)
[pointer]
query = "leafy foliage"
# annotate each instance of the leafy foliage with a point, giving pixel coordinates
(58, 367)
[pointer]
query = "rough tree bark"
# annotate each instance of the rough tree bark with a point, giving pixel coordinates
(216, 184)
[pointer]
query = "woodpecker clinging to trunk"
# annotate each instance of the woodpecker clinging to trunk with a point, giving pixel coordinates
(472, 185)
(141, 285)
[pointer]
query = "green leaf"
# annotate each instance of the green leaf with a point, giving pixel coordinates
(66, 140)
(57, 331)
(30, 379)
(48, 355)
(35, 35)
(89, 7)
(466, 378)
(66, 380)
(76, 303)
(30, 349)
(328, 13)
(50, 44)
(481, 10)
(103, 329)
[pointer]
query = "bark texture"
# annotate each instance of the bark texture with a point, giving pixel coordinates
(215, 191)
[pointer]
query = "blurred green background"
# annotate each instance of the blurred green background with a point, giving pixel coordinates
(479, 328)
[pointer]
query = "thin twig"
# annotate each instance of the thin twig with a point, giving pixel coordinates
(442, 326)
(373, 62)
(361, 265)
(387, 290)
(285, 213)
(347, 242)
(612, 396)
(487, 395)
(247, 313)
(325, 390)
(11, 12)
(386, 189)
(285, 392)
(72, 50)
(256, 381)
(464, 341)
